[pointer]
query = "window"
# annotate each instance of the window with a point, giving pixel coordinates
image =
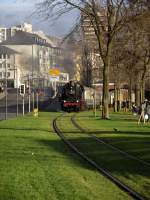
(0, 74)
(8, 65)
(1, 65)
(8, 74)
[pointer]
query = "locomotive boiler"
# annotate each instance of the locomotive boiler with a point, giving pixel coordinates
(72, 96)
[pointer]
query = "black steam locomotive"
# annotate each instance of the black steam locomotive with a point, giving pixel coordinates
(71, 96)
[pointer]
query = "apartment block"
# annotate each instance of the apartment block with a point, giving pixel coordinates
(8, 68)
(92, 62)
(34, 56)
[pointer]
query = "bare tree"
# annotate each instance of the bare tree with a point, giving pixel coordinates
(107, 18)
(138, 46)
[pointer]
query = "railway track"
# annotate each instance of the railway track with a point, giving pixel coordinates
(109, 145)
(134, 194)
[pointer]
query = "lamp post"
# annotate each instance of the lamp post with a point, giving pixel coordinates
(5, 89)
(94, 99)
(29, 93)
(5, 81)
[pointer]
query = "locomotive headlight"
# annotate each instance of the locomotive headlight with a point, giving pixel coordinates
(64, 101)
(77, 101)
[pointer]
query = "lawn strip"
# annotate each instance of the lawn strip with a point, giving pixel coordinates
(131, 172)
(36, 164)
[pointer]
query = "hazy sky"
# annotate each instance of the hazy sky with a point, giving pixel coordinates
(13, 12)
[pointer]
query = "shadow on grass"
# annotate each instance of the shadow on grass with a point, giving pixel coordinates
(116, 164)
(121, 167)
(24, 129)
(112, 118)
(120, 132)
(105, 157)
(36, 129)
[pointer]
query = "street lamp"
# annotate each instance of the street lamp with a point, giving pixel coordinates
(5, 89)
(29, 93)
(94, 99)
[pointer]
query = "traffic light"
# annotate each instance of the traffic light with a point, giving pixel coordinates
(22, 89)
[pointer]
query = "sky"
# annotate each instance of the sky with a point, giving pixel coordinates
(14, 12)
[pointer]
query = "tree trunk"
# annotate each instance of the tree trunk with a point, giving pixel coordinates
(137, 94)
(118, 99)
(130, 93)
(115, 99)
(137, 90)
(105, 100)
(143, 83)
(142, 90)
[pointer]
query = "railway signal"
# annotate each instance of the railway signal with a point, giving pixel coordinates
(22, 89)
(22, 93)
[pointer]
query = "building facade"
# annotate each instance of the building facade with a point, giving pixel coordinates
(91, 59)
(34, 56)
(8, 71)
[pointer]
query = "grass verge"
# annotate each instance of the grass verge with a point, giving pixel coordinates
(123, 132)
(36, 164)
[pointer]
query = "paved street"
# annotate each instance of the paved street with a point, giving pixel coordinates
(12, 104)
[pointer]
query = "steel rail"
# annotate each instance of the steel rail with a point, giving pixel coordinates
(103, 171)
(109, 145)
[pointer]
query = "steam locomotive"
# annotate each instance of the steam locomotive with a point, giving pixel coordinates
(71, 96)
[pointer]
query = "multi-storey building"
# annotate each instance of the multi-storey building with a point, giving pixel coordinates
(92, 63)
(7, 67)
(7, 33)
(34, 56)
(3, 34)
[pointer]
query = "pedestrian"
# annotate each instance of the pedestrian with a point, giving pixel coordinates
(148, 110)
(142, 112)
(134, 109)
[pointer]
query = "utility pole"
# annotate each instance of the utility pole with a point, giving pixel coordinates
(37, 100)
(16, 78)
(17, 89)
(5, 90)
(32, 80)
(23, 105)
(29, 95)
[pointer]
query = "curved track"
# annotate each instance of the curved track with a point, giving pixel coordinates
(109, 145)
(103, 171)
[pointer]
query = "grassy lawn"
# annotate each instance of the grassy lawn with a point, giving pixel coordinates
(36, 164)
(129, 137)
(122, 131)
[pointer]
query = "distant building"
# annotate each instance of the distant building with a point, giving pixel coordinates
(92, 62)
(3, 34)
(8, 67)
(47, 38)
(35, 56)
(7, 33)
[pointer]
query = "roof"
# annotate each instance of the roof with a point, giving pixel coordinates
(26, 38)
(6, 50)
(57, 41)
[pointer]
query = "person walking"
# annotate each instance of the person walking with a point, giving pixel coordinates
(148, 110)
(142, 113)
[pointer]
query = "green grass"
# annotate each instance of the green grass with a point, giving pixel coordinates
(129, 137)
(122, 131)
(36, 164)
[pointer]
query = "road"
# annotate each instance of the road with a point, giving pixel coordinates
(12, 104)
